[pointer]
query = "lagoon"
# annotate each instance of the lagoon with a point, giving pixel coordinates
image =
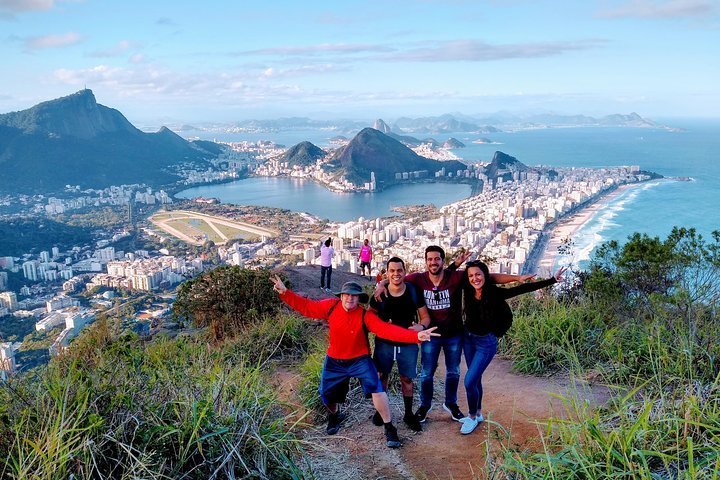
(307, 196)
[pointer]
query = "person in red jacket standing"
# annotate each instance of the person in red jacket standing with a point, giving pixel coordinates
(348, 353)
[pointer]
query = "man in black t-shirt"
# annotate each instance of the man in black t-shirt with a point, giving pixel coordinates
(404, 306)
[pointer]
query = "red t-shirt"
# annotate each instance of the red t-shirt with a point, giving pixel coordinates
(348, 338)
(438, 300)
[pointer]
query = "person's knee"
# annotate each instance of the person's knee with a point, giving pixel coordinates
(453, 372)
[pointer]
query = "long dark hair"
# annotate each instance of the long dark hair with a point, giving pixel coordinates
(487, 288)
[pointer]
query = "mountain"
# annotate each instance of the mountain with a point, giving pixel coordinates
(554, 120)
(74, 140)
(453, 143)
(373, 151)
(442, 124)
(302, 154)
(504, 165)
(381, 126)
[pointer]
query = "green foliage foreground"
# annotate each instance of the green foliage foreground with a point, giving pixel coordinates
(117, 408)
(644, 320)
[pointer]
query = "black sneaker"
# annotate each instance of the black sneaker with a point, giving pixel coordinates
(412, 422)
(393, 441)
(454, 411)
(334, 422)
(421, 413)
(377, 419)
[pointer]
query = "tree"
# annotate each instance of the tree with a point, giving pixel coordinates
(682, 265)
(226, 299)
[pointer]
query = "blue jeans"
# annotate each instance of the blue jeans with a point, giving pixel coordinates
(430, 354)
(325, 271)
(479, 351)
(336, 373)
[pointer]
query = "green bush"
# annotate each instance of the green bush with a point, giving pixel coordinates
(226, 299)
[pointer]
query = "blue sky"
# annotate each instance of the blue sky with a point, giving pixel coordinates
(163, 61)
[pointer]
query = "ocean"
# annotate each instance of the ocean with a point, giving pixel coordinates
(653, 208)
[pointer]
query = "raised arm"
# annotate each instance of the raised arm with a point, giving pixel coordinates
(317, 309)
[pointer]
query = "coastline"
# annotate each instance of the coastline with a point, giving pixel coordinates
(542, 260)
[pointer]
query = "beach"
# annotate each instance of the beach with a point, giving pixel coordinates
(563, 229)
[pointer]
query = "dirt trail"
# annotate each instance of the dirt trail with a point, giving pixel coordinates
(513, 405)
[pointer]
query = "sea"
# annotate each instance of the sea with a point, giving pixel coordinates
(689, 155)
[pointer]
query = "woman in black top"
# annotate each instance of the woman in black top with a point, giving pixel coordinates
(487, 317)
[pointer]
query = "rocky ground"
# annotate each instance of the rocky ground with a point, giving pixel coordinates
(515, 407)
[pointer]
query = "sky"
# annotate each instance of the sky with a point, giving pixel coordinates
(223, 61)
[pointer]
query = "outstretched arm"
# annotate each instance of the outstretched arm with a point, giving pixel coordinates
(505, 278)
(391, 332)
(532, 286)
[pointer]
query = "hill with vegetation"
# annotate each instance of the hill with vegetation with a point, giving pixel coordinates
(303, 154)
(373, 151)
(74, 140)
(206, 402)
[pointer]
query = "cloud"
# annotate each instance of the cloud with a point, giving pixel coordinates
(303, 70)
(137, 58)
(477, 51)
(324, 49)
(662, 9)
(165, 21)
(8, 8)
(52, 41)
(449, 51)
(117, 50)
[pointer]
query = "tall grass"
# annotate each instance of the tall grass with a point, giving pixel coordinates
(663, 422)
(174, 408)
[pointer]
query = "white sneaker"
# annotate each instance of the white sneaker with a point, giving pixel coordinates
(469, 424)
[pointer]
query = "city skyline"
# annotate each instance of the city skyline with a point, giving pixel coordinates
(170, 62)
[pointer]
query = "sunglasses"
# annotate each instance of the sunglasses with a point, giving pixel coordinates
(436, 294)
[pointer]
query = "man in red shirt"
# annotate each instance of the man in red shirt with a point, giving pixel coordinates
(348, 353)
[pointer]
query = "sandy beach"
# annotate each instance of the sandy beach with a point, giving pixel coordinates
(567, 226)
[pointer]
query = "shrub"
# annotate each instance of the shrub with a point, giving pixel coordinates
(226, 299)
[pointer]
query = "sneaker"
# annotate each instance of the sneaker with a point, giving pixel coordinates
(421, 413)
(334, 422)
(469, 424)
(454, 411)
(377, 419)
(412, 422)
(393, 441)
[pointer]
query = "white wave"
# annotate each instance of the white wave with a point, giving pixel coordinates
(590, 235)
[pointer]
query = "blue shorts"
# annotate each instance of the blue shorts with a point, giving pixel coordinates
(405, 355)
(336, 374)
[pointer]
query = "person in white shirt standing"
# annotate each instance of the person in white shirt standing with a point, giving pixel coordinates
(326, 255)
